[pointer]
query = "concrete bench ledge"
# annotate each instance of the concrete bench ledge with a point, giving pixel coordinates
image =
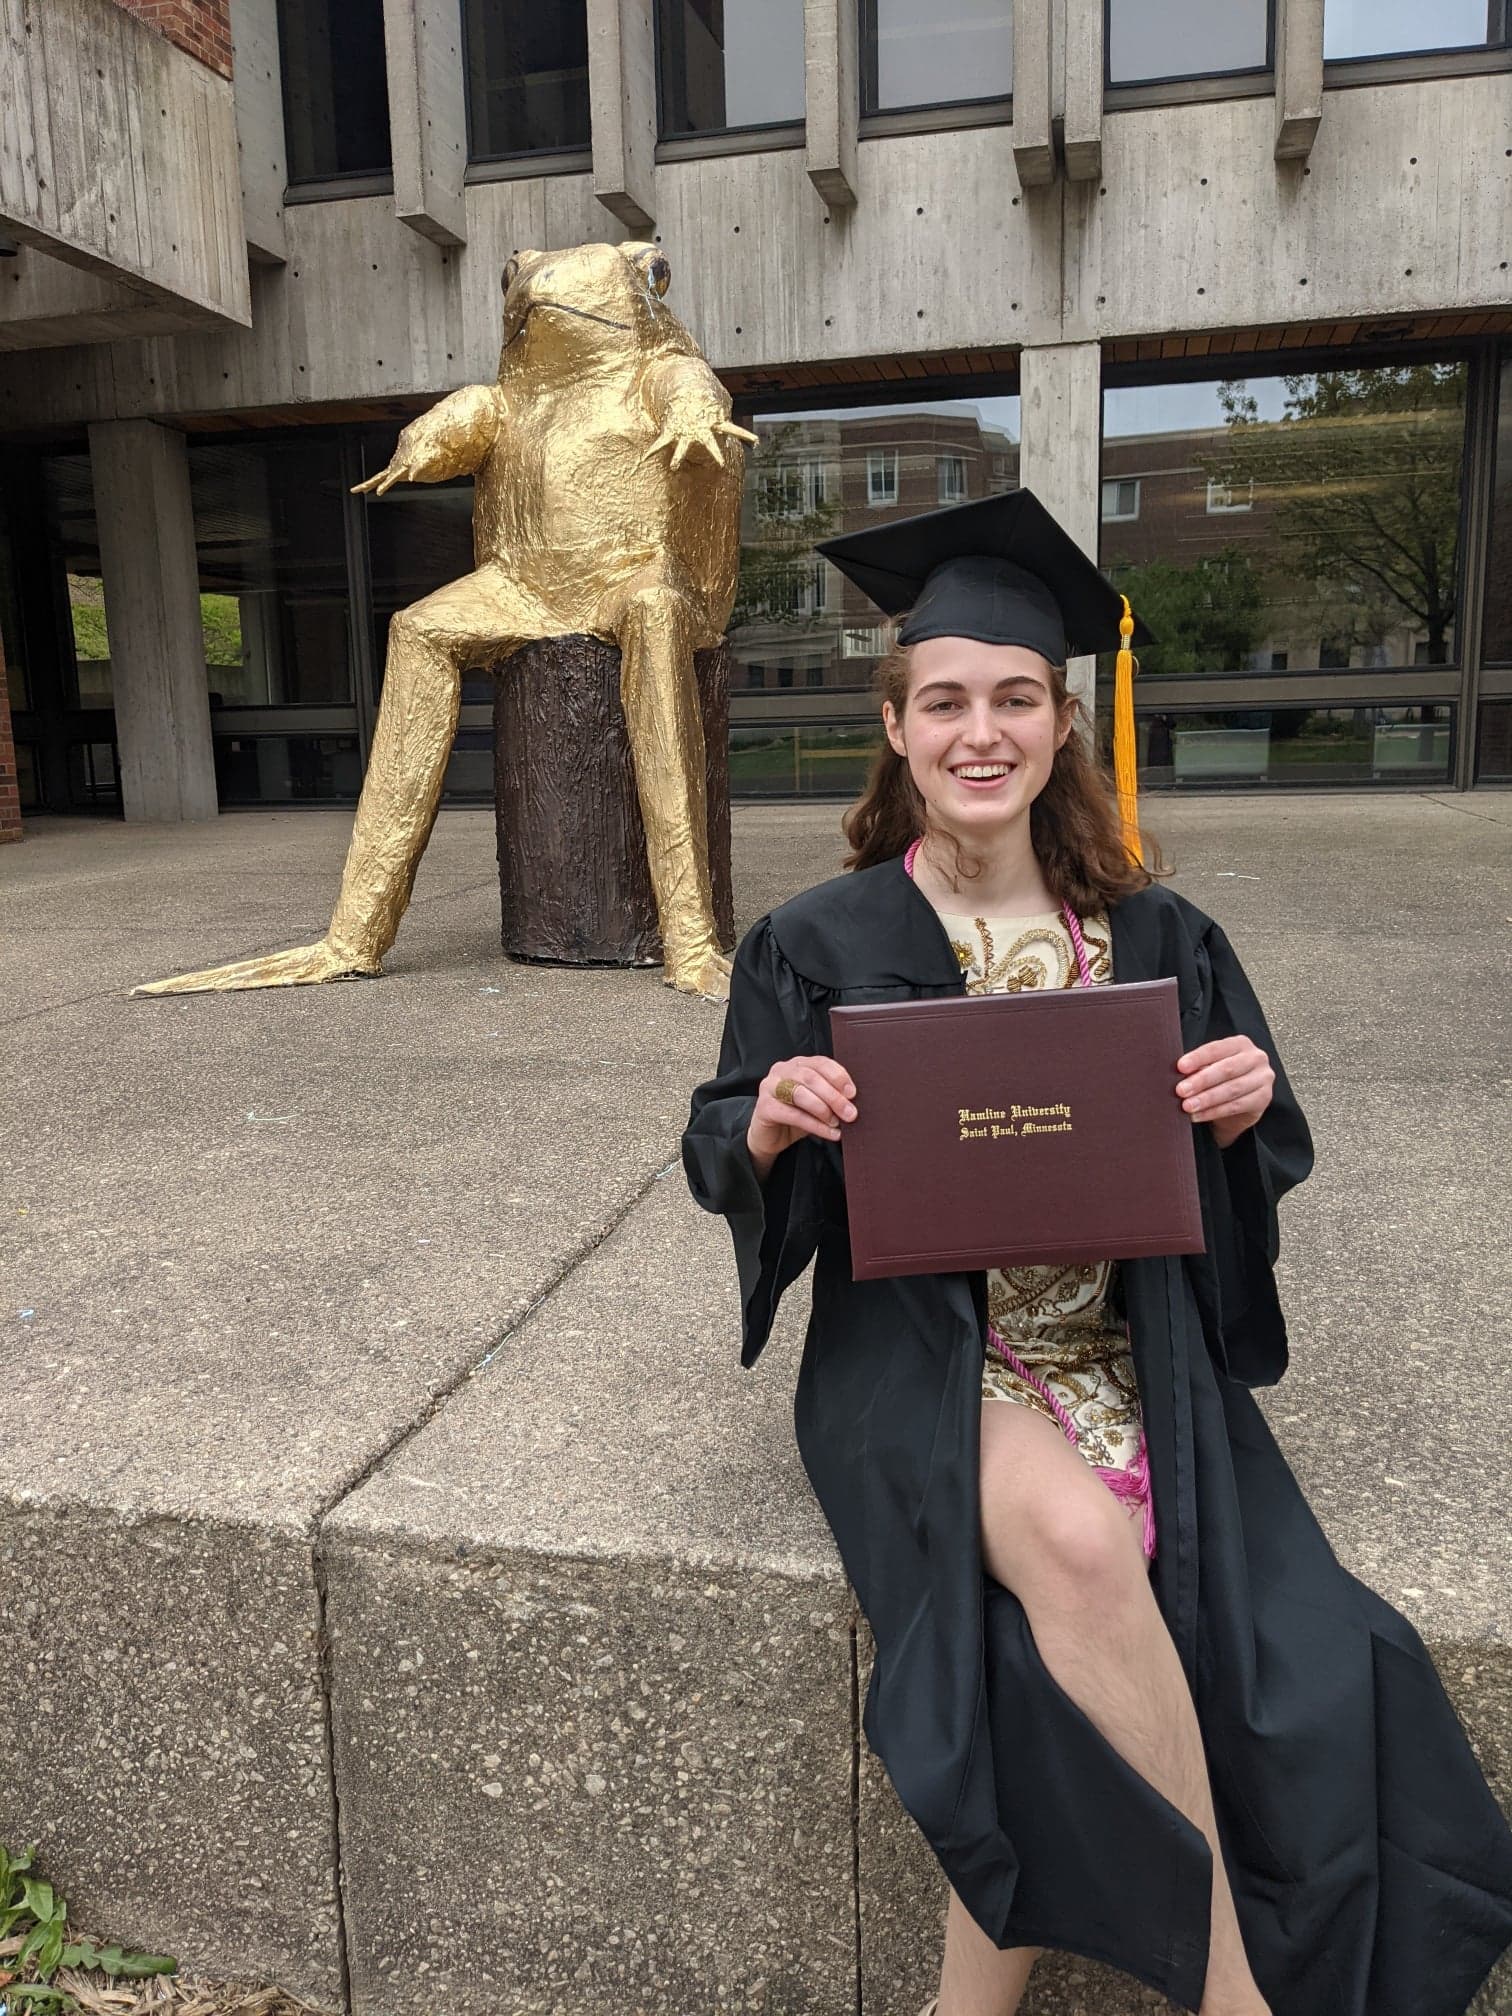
(448, 1626)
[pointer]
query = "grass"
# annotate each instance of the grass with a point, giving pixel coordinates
(48, 1967)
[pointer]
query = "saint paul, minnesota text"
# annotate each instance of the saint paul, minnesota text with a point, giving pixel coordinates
(997, 1123)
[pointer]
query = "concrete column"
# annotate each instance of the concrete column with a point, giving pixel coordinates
(622, 109)
(1082, 132)
(152, 618)
(422, 42)
(831, 96)
(257, 74)
(1060, 424)
(1033, 138)
(1299, 77)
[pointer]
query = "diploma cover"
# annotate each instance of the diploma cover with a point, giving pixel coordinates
(1017, 1129)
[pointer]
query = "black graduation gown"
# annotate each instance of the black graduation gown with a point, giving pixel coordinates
(1371, 1867)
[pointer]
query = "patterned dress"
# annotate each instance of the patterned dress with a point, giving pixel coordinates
(1058, 1321)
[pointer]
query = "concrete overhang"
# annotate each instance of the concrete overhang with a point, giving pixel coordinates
(119, 176)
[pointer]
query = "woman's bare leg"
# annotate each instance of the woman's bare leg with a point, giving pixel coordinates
(978, 1978)
(1055, 1535)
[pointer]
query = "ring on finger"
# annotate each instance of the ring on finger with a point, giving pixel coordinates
(783, 1091)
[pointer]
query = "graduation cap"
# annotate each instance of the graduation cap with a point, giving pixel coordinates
(1003, 571)
(999, 569)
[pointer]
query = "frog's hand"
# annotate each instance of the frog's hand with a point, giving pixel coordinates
(695, 434)
(304, 966)
(451, 439)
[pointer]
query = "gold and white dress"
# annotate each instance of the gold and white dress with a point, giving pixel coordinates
(1057, 1321)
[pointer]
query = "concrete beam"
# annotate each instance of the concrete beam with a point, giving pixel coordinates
(1299, 77)
(152, 616)
(260, 126)
(1060, 419)
(1033, 137)
(427, 116)
(831, 96)
(622, 109)
(1082, 131)
(118, 154)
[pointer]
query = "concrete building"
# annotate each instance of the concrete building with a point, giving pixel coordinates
(1228, 287)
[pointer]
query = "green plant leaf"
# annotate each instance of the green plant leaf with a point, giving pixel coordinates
(40, 1900)
(137, 1966)
(36, 1995)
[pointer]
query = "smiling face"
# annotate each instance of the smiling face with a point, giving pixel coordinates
(979, 732)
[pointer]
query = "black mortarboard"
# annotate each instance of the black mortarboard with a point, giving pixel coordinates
(999, 569)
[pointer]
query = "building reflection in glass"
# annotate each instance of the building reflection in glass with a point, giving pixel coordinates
(1288, 523)
(797, 622)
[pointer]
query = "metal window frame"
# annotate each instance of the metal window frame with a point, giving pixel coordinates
(324, 188)
(1464, 681)
(941, 108)
(765, 135)
(520, 160)
(1258, 75)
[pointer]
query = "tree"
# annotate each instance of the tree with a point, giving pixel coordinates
(1204, 617)
(1362, 475)
(788, 510)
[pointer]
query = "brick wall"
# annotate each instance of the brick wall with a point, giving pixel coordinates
(202, 27)
(10, 796)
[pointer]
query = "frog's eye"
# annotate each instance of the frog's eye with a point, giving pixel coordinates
(658, 274)
(511, 272)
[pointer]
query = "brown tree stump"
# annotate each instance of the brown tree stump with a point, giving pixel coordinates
(573, 877)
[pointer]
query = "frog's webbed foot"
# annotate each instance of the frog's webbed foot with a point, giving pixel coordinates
(303, 966)
(704, 971)
(680, 437)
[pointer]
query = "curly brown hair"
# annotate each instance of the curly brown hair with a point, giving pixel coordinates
(1074, 821)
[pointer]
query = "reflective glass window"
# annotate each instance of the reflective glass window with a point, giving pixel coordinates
(1314, 516)
(335, 88)
(68, 504)
(1497, 641)
(1493, 746)
(1402, 27)
(798, 623)
(17, 685)
(1150, 40)
(527, 76)
(942, 54)
(271, 545)
(802, 759)
(727, 64)
(286, 769)
(1291, 747)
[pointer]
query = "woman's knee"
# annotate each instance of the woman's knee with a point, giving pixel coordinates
(1056, 1533)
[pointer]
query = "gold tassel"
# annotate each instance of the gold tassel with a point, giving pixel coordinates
(1125, 746)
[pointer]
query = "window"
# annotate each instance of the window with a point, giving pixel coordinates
(794, 490)
(1349, 551)
(946, 53)
(1151, 40)
(1292, 746)
(270, 541)
(1223, 496)
(335, 86)
(527, 77)
(950, 471)
(1498, 605)
(812, 476)
(1355, 28)
(1120, 499)
(727, 65)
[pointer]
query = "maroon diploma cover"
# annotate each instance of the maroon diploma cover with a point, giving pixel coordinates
(1014, 1129)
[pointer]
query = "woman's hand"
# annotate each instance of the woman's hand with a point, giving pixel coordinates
(1227, 1083)
(820, 1096)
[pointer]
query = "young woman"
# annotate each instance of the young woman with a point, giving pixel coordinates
(1136, 1706)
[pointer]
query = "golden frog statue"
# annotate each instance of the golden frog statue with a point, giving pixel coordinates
(607, 502)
